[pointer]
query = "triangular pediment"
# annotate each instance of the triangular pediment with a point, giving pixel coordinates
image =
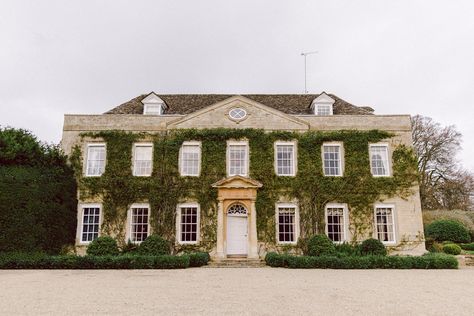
(237, 182)
(257, 115)
(324, 98)
(152, 98)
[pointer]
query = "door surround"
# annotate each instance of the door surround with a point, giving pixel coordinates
(237, 230)
(231, 191)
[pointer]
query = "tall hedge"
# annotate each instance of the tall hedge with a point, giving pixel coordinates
(37, 194)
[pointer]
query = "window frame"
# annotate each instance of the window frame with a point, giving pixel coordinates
(341, 158)
(389, 165)
(135, 145)
(331, 110)
(178, 223)
(345, 217)
(294, 205)
(388, 205)
(130, 221)
(146, 110)
(181, 160)
(86, 166)
(294, 161)
(247, 157)
(82, 207)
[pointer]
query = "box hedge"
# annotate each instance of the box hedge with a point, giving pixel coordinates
(430, 261)
(444, 229)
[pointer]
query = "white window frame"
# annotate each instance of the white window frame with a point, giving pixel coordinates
(394, 217)
(324, 105)
(238, 143)
(86, 167)
(297, 222)
(178, 223)
(82, 207)
(181, 160)
(295, 157)
(389, 165)
(146, 107)
(345, 217)
(130, 221)
(341, 159)
(135, 145)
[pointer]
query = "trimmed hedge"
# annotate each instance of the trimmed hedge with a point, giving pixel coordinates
(43, 261)
(198, 259)
(452, 249)
(320, 245)
(103, 246)
(469, 246)
(373, 247)
(444, 229)
(154, 245)
(430, 261)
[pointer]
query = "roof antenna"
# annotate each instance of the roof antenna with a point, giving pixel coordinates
(306, 54)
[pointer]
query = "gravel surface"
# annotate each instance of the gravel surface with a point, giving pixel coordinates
(237, 291)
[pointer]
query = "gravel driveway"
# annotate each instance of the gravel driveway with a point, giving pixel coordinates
(246, 291)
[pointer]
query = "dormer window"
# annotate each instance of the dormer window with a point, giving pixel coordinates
(153, 105)
(323, 105)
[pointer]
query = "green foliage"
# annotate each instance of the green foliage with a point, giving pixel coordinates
(469, 246)
(43, 261)
(320, 245)
(442, 230)
(103, 246)
(373, 247)
(166, 188)
(347, 249)
(154, 245)
(38, 206)
(452, 249)
(198, 259)
(430, 261)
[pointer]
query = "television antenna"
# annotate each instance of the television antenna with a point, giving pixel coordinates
(305, 54)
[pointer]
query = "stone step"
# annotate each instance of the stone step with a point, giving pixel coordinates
(236, 263)
(469, 260)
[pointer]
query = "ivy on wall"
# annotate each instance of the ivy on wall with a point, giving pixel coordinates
(166, 188)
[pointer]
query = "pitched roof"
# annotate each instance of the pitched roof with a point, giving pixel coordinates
(287, 103)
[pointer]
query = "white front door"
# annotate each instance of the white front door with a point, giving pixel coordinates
(237, 239)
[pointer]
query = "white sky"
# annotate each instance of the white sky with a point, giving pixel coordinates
(399, 57)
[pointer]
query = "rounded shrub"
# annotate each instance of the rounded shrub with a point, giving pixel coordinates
(452, 249)
(373, 247)
(103, 246)
(154, 245)
(446, 229)
(320, 245)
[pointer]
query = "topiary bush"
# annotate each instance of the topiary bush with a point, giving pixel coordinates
(452, 249)
(198, 259)
(154, 245)
(445, 229)
(373, 247)
(103, 246)
(320, 245)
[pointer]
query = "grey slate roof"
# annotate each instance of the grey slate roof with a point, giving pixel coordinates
(287, 103)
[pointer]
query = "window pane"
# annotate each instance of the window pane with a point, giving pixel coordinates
(286, 224)
(332, 160)
(285, 156)
(142, 164)
(189, 224)
(379, 160)
(335, 223)
(95, 160)
(90, 223)
(238, 160)
(190, 159)
(384, 224)
(324, 110)
(139, 231)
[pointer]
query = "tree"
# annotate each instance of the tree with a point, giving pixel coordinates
(443, 182)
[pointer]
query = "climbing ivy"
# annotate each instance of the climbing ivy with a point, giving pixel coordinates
(118, 189)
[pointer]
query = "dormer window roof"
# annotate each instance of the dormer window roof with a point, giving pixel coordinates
(153, 105)
(323, 105)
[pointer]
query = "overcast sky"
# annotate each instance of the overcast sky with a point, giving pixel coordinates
(400, 57)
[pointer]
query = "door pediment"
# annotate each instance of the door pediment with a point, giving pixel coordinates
(256, 115)
(237, 182)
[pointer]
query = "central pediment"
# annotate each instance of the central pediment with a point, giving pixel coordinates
(239, 112)
(237, 182)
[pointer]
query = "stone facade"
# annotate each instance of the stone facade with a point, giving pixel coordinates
(408, 226)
